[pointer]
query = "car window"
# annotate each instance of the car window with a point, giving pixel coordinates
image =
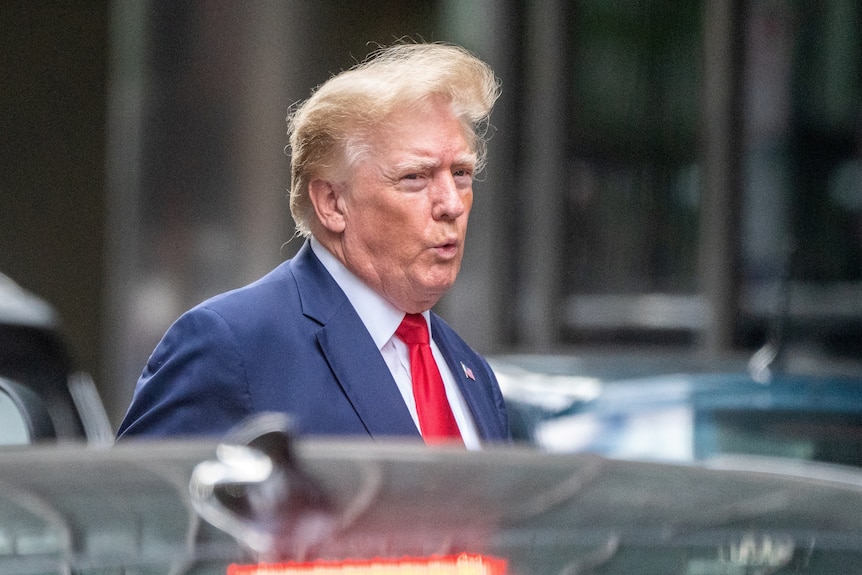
(811, 435)
(23, 407)
(13, 426)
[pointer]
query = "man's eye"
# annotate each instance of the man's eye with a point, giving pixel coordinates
(413, 182)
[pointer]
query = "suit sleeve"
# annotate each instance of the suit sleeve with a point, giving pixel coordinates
(194, 382)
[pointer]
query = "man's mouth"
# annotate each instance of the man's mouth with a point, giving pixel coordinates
(447, 250)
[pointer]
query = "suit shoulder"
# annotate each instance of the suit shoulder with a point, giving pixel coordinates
(277, 288)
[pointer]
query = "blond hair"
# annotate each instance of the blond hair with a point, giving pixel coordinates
(334, 127)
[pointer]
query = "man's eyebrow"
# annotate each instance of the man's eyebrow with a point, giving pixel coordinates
(465, 160)
(417, 164)
(423, 163)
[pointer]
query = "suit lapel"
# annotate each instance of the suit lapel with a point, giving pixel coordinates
(473, 386)
(351, 353)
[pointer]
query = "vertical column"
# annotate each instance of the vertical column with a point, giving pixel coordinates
(270, 67)
(541, 188)
(723, 25)
(127, 79)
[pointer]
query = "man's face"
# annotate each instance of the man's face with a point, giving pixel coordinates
(406, 206)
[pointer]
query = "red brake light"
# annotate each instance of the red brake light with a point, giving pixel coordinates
(463, 564)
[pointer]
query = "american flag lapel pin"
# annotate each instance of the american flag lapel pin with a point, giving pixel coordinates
(468, 372)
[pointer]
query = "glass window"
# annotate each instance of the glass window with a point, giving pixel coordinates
(633, 207)
(633, 233)
(13, 427)
(634, 147)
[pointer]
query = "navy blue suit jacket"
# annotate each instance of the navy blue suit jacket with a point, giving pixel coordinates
(291, 342)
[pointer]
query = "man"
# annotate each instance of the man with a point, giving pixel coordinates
(383, 158)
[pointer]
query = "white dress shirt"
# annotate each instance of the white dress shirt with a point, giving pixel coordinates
(381, 319)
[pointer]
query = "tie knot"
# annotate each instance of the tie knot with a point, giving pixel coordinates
(413, 329)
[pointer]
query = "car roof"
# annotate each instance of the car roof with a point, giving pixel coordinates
(609, 364)
(555, 383)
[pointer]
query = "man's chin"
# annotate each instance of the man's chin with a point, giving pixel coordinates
(435, 290)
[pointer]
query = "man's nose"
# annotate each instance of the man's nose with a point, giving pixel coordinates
(448, 198)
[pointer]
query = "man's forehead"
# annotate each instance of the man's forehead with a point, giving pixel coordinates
(424, 150)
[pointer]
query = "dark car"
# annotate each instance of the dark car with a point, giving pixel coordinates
(43, 397)
(683, 408)
(267, 504)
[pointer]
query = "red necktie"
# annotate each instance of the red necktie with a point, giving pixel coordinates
(435, 416)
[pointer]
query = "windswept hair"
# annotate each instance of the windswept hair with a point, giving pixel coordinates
(334, 128)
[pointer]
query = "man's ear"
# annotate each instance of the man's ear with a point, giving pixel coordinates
(328, 204)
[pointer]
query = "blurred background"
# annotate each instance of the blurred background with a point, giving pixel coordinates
(682, 174)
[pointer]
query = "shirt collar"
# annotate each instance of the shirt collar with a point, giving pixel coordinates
(380, 317)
